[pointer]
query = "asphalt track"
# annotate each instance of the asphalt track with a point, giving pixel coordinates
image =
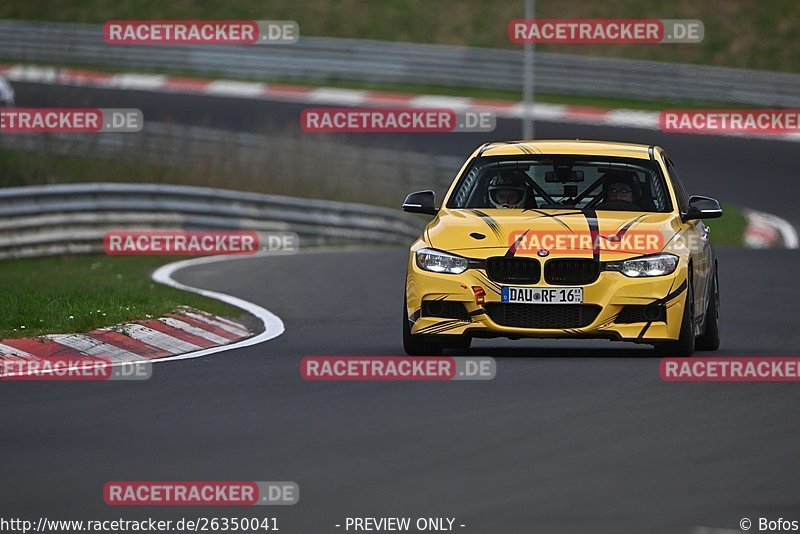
(570, 436)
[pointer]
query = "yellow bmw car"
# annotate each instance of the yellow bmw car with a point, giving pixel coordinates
(563, 239)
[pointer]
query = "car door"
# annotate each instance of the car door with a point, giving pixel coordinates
(699, 246)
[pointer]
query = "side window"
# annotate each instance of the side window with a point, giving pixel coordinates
(657, 191)
(680, 190)
(465, 189)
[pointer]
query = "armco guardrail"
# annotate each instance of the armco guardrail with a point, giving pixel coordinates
(58, 219)
(290, 164)
(322, 59)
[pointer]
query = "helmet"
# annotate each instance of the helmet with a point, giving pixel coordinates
(628, 178)
(505, 181)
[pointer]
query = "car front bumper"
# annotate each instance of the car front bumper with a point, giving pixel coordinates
(610, 292)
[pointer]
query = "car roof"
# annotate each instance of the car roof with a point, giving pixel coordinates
(565, 147)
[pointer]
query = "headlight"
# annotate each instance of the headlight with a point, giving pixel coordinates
(440, 262)
(656, 265)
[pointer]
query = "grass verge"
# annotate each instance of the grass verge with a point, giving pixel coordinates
(72, 294)
(738, 33)
(728, 229)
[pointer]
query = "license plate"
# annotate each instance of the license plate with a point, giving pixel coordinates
(542, 295)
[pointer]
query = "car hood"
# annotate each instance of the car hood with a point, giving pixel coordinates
(480, 233)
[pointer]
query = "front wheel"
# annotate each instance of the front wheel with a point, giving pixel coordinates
(462, 342)
(416, 345)
(684, 345)
(710, 338)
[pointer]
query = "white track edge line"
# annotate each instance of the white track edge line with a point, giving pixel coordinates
(785, 229)
(273, 326)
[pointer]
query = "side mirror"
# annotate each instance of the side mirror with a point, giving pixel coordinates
(702, 208)
(420, 202)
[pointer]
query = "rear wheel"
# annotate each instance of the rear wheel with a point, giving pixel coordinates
(684, 345)
(710, 338)
(417, 345)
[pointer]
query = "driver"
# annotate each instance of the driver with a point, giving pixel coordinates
(620, 188)
(508, 189)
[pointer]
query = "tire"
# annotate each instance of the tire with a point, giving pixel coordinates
(709, 340)
(458, 342)
(416, 345)
(684, 345)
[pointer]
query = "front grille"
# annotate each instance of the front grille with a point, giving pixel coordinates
(513, 270)
(542, 315)
(443, 308)
(642, 314)
(569, 271)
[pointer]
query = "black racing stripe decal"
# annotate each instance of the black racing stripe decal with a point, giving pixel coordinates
(494, 286)
(671, 285)
(481, 273)
(428, 329)
(627, 226)
(543, 213)
(491, 223)
(594, 231)
(676, 234)
(434, 331)
(515, 245)
(680, 289)
(641, 334)
(622, 231)
(670, 296)
(609, 322)
(556, 217)
(441, 327)
(484, 148)
(523, 148)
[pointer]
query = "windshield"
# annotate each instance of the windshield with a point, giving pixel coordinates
(556, 182)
